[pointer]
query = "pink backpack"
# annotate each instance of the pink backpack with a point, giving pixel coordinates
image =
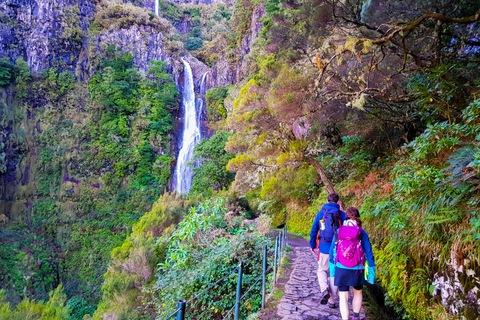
(350, 252)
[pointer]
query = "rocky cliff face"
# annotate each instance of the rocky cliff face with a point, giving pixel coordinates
(44, 32)
(230, 70)
(55, 33)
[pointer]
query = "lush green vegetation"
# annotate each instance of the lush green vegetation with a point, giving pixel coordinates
(215, 99)
(207, 245)
(53, 309)
(158, 263)
(102, 157)
(212, 174)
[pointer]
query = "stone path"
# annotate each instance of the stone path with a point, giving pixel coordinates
(300, 300)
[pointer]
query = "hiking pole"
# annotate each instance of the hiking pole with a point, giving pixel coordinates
(264, 275)
(239, 290)
(181, 311)
(275, 264)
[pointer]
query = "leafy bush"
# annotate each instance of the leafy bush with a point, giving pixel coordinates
(215, 99)
(206, 246)
(6, 71)
(59, 83)
(22, 77)
(53, 309)
(170, 11)
(193, 43)
(212, 175)
(133, 264)
(124, 16)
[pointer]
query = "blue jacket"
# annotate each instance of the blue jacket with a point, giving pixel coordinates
(329, 208)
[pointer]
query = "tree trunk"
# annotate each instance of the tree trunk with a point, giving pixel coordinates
(438, 43)
(323, 177)
(321, 172)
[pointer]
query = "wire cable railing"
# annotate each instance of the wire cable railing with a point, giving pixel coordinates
(280, 245)
(216, 282)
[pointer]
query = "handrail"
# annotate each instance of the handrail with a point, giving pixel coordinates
(280, 245)
(198, 295)
(172, 314)
(249, 289)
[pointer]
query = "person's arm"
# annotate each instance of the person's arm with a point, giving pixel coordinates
(367, 249)
(314, 232)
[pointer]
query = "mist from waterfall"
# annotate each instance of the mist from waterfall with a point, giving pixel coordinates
(191, 130)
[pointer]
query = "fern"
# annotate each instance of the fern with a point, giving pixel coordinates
(439, 219)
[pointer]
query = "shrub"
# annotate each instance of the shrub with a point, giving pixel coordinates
(6, 71)
(215, 99)
(53, 309)
(125, 16)
(212, 175)
(203, 249)
(22, 77)
(193, 43)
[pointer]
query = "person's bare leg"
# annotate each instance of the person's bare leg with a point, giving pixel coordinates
(344, 310)
(357, 300)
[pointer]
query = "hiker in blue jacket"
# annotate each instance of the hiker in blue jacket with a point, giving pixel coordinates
(327, 221)
(362, 269)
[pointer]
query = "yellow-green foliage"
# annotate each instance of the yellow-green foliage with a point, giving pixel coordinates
(134, 262)
(290, 183)
(72, 26)
(117, 15)
(300, 222)
(53, 309)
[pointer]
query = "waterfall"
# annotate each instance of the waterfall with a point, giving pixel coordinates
(191, 131)
(199, 100)
(156, 7)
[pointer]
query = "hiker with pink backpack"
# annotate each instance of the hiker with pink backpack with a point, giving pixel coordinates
(351, 263)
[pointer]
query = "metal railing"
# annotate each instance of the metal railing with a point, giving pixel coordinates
(280, 245)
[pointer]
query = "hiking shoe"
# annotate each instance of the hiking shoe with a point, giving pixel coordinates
(333, 306)
(324, 296)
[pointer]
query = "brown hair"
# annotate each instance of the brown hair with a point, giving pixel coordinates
(354, 214)
(333, 197)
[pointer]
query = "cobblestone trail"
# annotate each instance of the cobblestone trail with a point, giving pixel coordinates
(300, 301)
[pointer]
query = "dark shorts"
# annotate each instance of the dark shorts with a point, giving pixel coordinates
(349, 278)
(346, 288)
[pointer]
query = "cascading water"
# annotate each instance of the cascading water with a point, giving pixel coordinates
(199, 100)
(156, 7)
(191, 132)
